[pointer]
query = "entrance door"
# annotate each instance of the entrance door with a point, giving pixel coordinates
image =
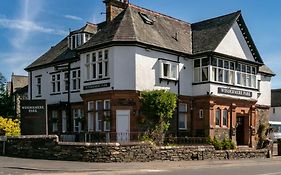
(240, 131)
(123, 125)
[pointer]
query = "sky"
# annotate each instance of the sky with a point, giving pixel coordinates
(28, 28)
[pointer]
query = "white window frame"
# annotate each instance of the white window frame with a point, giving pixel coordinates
(201, 113)
(172, 73)
(56, 84)
(90, 116)
(88, 67)
(218, 125)
(223, 117)
(77, 115)
(106, 124)
(39, 85)
(98, 119)
(54, 124)
(75, 80)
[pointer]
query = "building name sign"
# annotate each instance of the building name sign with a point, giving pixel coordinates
(33, 109)
(96, 86)
(236, 92)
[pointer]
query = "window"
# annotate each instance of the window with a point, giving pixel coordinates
(201, 70)
(87, 65)
(218, 117)
(201, 114)
(77, 120)
(99, 108)
(77, 40)
(273, 110)
(66, 76)
(107, 115)
(55, 83)
(75, 79)
(169, 70)
(145, 18)
(38, 84)
(97, 66)
(90, 116)
(225, 117)
(182, 116)
(54, 121)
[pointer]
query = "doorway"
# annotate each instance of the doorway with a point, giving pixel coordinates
(123, 125)
(240, 130)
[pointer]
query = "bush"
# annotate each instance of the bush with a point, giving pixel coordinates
(225, 144)
(9, 127)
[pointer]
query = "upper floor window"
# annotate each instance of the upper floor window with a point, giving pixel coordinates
(38, 84)
(55, 83)
(224, 71)
(97, 65)
(169, 70)
(66, 79)
(75, 78)
(78, 39)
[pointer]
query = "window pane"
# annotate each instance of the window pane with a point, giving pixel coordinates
(254, 81)
(214, 62)
(243, 79)
(182, 107)
(197, 63)
(249, 80)
(94, 58)
(214, 74)
(90, 105)
(94, 71)
(205, 61)
(174, 71)
(74, 87)
(220, 63)
(74, 74)
(58, 76)
(197, 75)
(248, 69)
(100, 55)
(106, 104)
(238, 74)
(218, 116)
(100, 70)
(106, 68)
(231, 65)
(205, 72)
(226, 64)
(166, 69)
(243, 68)
(231, 77)
(87, 59)
(182, 121)
(106, 54)
(225, 117)
(226, 76)
(253, 70)
(239, 67)
(220, 75)
(99, 105)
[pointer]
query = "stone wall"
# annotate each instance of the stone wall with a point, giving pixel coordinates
(48, 147)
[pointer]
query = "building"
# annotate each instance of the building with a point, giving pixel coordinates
(275, 113)
(92, 78)
(18, 89)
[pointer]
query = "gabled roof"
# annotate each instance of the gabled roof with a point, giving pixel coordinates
(266, 70)
(276, 98)
(207, 35)
(129, 26)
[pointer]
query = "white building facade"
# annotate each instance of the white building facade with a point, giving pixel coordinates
(92, 79)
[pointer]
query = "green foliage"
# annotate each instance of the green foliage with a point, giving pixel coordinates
(225, 144)
(9, 127)
(6, 101)
(158, 107)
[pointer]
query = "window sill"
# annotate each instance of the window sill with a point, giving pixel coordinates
(38, 96)
(182, 129)
(169, 80)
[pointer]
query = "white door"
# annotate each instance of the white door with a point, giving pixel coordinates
(123, 125)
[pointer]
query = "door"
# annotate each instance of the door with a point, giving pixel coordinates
(240, 131)
(123, 125)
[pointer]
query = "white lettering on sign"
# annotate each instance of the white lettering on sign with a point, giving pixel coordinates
(234, 92)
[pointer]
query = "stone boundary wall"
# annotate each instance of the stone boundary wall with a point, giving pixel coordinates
(49, 147)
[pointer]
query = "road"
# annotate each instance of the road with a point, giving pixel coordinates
(17, 166)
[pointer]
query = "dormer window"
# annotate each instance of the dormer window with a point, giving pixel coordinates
(78, 39)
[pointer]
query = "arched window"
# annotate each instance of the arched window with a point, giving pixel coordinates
(218, 116)
(225, 117)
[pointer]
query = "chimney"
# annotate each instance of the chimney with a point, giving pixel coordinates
(114, 8)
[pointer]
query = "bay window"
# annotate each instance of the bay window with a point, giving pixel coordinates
(224, 71)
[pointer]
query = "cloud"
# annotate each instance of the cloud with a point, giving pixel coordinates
(28, 26)
(76, 18)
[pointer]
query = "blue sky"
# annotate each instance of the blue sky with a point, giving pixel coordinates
(28, 28)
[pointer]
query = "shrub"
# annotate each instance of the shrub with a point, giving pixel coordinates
(225, 144)
(9, 127)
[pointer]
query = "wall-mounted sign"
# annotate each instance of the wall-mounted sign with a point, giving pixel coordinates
(96, 86)
(33, 117)
(236, 92)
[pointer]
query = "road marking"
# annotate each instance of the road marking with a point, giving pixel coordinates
(275, 173)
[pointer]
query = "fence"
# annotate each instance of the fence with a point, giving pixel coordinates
(106, 137)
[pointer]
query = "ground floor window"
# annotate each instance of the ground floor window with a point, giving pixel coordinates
(218, 117)
(182, 116)
(54, 119)
(77, 120)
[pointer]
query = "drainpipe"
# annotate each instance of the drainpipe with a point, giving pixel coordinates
(68, 99)
(178, 100)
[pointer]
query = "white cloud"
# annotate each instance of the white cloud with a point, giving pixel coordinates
(76, 18)
(28, 26)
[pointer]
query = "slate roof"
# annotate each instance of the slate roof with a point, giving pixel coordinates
(165, 32)
(61, 52)
(266, 70)
(275, 97)
(207, 35)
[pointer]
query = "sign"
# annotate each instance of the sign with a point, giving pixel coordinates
(33, 117)
(236, 92)
(96, 86)
(3, 138)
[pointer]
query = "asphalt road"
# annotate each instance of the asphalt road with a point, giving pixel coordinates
(17, 166)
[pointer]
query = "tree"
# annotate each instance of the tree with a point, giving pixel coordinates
(9, 127)
(158, 107)
(6, 101)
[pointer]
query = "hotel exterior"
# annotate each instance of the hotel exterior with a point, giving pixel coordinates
(92, 78)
